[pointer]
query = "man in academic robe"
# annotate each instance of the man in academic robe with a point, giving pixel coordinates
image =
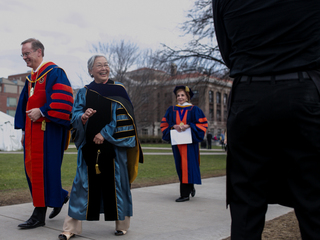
(43, 113)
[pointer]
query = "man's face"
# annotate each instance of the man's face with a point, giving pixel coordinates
(32, 57)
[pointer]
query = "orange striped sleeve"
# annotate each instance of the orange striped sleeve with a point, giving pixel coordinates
(201, 126)
(164, 125)
(203, 119)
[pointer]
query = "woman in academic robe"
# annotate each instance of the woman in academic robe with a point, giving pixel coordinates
(104, 133)
(184, 117)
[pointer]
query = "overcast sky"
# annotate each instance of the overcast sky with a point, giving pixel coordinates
(68, 28)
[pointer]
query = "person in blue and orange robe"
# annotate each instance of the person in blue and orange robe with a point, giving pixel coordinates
(43, 113)
(187, 156)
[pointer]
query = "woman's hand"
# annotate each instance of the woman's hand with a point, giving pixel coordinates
(180, 128)
(184, 127)
(177, 127)
(98, 139)
(88, 113)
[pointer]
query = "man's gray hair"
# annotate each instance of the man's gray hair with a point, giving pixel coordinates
(35, 44)
(91, 62)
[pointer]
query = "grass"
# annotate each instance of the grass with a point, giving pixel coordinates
(157, 169)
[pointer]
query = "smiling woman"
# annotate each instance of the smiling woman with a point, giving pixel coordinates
(108, 152)
(99, 68)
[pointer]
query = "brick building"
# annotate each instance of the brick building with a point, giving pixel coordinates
(151, 92)
(10, 89)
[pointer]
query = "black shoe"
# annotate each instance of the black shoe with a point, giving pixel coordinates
(182, 199)
(193, 192)
(57, 210)
(31, 223)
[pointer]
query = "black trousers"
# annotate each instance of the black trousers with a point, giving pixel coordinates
(209, 144)
(273, 154)
(185, 189)
(39, 213)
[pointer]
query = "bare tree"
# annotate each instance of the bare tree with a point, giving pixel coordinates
(121, 56)
(202, 53)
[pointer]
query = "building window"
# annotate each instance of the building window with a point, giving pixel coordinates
(195, 94)
(195, 99)
(144, 97)
(225, 115)
(12, 113)
(144, 131)
(218, 95)
(211, 114)
(210, 97)
(168, 99)
(218, 115)
(225, 99)
(11, 102)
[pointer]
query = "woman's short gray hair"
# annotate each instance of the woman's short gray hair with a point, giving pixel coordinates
(91, 62)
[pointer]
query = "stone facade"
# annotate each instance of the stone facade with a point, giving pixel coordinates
(151, 92)
(10, 90)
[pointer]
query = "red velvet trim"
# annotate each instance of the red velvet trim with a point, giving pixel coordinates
(37, 155)
(62, 106)
(45, 66)
(62, 96)
(60, 115)
(27, 146)
(63, 87)
(38, 74)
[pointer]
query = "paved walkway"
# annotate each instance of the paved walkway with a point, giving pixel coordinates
(156, 216)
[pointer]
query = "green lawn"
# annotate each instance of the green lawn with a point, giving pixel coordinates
(156, 169)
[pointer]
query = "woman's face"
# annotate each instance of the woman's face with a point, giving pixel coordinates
(100, 70)
(181, 96)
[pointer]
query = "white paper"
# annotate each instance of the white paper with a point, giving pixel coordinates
(183, 137)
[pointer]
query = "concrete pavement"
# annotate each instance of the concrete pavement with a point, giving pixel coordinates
(156, 216)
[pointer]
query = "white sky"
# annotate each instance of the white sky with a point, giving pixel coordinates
(68, 28)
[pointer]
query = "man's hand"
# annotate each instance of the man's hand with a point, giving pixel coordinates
(34, 114)
(22, 139)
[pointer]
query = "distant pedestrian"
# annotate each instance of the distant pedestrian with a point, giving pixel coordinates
(209, 140)
(182, 117)
(222, 140)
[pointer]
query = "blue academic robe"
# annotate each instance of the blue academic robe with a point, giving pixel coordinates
(45, 140)
(186, 156)
(122, 145)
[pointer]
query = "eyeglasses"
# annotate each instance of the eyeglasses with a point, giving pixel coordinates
(27, 54)
(99, 66)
